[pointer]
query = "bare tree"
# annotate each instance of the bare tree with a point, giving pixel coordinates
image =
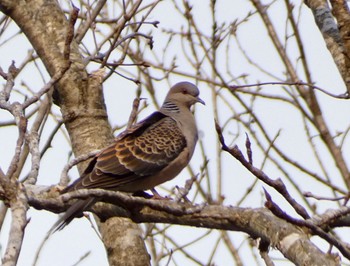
(280, 136)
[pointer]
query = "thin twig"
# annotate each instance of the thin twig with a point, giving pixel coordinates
(299, 83)
(64, 180)
(277, 184)
(343, 248)
(83, 28)
(134, 112)
(70, 31)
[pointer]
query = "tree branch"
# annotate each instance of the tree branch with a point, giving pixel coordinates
(258, 223)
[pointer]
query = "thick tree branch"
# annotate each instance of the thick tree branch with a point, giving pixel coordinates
(19, 207)
(291, 241)
(335, 35)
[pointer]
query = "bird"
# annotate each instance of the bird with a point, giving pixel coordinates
(147, 154)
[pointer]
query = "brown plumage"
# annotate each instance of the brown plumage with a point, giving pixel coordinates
(150, 153)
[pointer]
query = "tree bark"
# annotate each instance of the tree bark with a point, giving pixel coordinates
(80, 97)
(292, 241)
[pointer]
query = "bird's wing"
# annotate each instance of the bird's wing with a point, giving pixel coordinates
(142, 151)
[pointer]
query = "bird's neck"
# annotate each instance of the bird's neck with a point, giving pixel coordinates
(169, 108)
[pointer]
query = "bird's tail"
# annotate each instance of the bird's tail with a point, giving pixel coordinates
(73, 211)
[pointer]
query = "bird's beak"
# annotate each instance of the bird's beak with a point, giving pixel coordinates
(199, 100)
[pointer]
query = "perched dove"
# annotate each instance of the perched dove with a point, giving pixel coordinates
(151, 152)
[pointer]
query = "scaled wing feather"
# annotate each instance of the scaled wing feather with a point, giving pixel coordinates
(138, 154)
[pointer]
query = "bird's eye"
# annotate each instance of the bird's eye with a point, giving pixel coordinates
(184, 91)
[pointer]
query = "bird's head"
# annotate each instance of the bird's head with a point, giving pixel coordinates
(182, 94)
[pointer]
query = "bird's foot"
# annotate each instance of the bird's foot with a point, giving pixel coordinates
(157, 196)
